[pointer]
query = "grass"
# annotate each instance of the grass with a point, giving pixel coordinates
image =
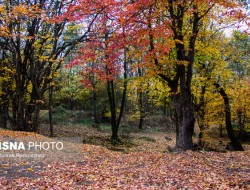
(86, 121)
(105, 127)
(63, 116)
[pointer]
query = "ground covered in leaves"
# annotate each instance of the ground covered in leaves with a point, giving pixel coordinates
(141, 162)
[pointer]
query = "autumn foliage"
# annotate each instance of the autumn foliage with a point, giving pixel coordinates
(142, 56)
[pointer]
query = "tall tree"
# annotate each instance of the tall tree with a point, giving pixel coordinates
(171, 28)
(104, 58)
(234, 140)
(238, 62)
(35, 41)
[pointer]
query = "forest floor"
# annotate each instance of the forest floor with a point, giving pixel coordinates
(140, 161)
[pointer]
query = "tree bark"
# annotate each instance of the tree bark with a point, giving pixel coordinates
(184, 121)
(140, 102)
(112, 105)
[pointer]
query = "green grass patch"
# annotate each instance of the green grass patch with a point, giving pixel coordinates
(86, 121)
(64, 116)
(105, 127)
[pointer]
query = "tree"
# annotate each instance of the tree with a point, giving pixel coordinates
(104, 58)
(240, 106)
(238, 63)
(7, 89)
(35, 43)
(171, 28)
(238, 57)
(209, 65)
(234, 141)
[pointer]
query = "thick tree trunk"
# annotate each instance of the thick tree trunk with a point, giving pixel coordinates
(181, 83)
(35, 120)
(32, 116)
(184, 121)
(114, 137)
(20, 118)
(184, 103)
(33, 110)
(234, 140)
(184, 68)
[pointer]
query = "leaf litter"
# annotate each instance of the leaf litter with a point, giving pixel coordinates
(145, 166)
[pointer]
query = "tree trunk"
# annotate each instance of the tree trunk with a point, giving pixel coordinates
(115, 122)
(141, 109)
(184, 121)
(4, 97)
(180, 84)
(4, 110)
(112, 104)
(184, 68)
(3, 119)
(20, 118)
(35, 119)
(165, 109)
(123, 102)
(241, 122)
(32, 110)
(201, 115)
(234, 140)
(140, 102)
(32, 113)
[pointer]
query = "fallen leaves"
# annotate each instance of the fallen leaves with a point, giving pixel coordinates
(104, 169)
(101, 168)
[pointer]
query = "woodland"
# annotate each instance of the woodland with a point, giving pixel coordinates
(157, 91)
